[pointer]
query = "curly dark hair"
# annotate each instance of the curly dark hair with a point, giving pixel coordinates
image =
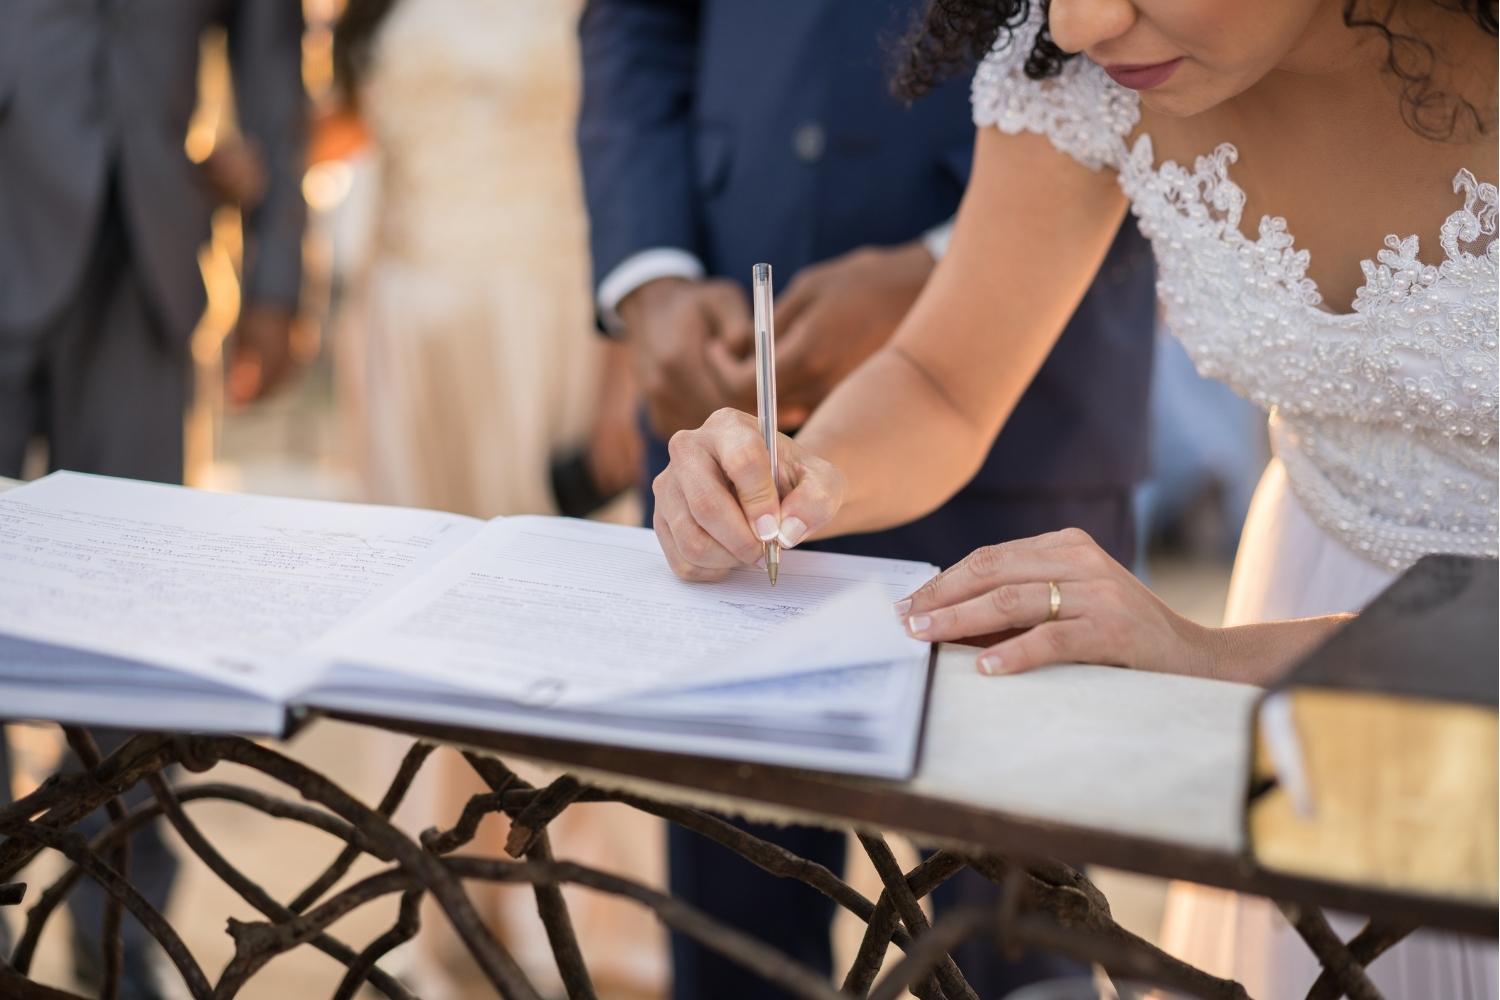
(950, 36)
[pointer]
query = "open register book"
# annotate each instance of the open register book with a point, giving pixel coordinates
(143, 606)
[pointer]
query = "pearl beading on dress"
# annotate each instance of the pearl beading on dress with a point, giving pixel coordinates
(1385, 418)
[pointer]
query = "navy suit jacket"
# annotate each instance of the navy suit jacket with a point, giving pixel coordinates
(748, 131)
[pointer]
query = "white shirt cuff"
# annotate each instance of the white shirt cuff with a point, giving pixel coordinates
(937, 238)
(635, 271)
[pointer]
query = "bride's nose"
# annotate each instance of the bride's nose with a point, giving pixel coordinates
(1078, 25)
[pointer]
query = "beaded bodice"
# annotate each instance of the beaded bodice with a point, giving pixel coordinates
(1384, 417)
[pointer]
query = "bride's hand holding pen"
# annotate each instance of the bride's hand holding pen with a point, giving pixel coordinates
(1054, 598)
(716, 503)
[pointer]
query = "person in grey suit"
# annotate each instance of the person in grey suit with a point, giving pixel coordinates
(101, 218)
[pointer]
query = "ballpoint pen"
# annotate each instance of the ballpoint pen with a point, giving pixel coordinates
(765, 385)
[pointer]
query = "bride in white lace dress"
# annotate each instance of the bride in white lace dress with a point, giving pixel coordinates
(1382, 419)
(1228, 129)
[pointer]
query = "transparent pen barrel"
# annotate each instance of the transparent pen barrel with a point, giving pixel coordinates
(765, 357)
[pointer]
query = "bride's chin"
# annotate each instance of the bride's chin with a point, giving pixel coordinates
(1195, 90)
(1180, 102)
(1174, 106)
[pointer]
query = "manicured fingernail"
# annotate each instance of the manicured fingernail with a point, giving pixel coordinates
(760, 563)
(989, 664)
(903, 606)
(792, 532)
(765, 527)
(918, 624)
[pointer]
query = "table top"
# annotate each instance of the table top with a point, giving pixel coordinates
(1092, 765)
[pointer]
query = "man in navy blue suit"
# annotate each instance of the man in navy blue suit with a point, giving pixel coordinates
(718, 133)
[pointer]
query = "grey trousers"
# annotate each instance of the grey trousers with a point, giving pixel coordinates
(106, 387)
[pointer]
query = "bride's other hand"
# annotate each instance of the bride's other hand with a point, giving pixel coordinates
(716, 506)
(1104, 614)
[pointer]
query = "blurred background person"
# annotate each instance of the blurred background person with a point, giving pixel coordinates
(102, 215)
(470, 365)
(469, 370)
(717, 134)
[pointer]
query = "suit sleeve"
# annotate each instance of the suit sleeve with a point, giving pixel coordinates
(265, 54)
(635, 128)
(957, 158)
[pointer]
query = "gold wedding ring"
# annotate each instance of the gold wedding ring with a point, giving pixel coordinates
(1054, 601)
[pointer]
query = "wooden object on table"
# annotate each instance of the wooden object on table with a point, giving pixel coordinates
(1392, 723)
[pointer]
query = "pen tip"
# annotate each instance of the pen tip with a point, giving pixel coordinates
(771, 570)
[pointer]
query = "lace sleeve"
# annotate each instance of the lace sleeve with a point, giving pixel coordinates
(1085, 113)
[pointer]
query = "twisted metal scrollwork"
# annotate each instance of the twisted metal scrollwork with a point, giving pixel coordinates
(1044, 904)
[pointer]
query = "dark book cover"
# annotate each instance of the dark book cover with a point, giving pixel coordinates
(1431, 634)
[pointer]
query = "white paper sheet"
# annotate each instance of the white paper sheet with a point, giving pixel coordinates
(860, 698)
(856, 626)
(550, 611)
(227, 586)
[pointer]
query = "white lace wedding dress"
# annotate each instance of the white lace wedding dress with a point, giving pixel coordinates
(1382, 420)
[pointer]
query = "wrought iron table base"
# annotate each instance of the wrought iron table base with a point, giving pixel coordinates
(1044, 904)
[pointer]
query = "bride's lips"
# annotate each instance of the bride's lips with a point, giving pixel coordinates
(1143, 77)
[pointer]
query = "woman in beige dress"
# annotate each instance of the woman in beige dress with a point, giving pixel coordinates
(470, 366)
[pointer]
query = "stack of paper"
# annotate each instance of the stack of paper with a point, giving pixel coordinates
(146, 606)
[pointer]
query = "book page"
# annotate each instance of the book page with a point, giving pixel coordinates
(228, 586)
(562, 612)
